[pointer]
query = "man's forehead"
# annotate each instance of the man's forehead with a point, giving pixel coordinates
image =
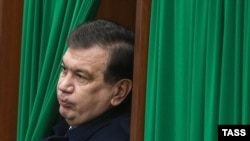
(90, 53)
(91, 56)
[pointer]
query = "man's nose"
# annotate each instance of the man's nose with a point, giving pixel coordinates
(66, 84)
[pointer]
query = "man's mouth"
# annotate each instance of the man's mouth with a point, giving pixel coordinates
(65, 103)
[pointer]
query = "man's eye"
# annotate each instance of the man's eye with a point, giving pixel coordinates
(81, 76)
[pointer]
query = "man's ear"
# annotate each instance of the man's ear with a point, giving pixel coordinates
(120, 91)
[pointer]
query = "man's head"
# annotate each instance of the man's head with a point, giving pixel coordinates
(97, 70)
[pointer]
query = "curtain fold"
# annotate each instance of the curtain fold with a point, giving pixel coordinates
(198, 68)
(46, 24)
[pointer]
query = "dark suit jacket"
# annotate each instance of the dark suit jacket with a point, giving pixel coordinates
(113, 125)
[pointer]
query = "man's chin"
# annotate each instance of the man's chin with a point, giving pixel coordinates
(66, 113)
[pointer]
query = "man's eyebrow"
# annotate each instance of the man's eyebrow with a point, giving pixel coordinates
(81, 70)
(84, 71)
(78, 70)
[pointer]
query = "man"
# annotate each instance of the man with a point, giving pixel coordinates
(94, 87)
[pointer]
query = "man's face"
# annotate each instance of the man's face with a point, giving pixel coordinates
(81, 90)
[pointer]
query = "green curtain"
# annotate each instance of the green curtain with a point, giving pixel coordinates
(46, 24)
(198, 68)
